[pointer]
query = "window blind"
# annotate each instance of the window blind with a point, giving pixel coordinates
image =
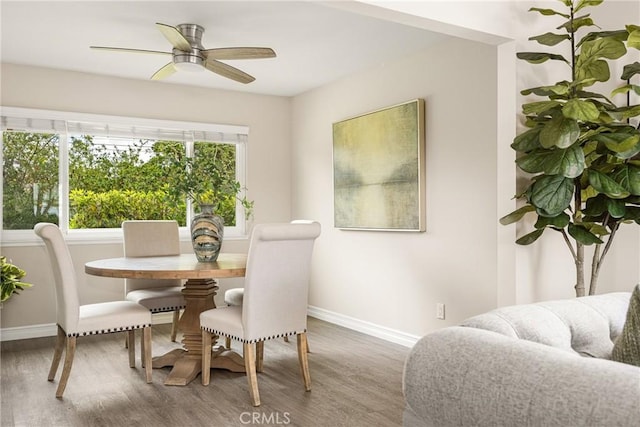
(19, 119)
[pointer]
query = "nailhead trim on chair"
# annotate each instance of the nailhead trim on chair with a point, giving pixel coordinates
(233, 337)
(108, 331)
(165, 309)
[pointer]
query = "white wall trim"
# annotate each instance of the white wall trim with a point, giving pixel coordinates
(28, 332)
(387, 334)
(50, 329)
(382, 332)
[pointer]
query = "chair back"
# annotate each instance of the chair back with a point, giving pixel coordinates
(277, 279)
(144, 238)
(64, 276)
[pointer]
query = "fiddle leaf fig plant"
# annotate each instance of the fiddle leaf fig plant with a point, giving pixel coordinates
(581, 150)
(11, 283)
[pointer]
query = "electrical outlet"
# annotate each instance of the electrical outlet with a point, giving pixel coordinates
(440, 311)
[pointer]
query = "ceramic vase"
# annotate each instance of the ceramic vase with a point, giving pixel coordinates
(207, 231)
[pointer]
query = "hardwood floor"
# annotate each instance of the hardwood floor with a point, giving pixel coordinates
(355, 380)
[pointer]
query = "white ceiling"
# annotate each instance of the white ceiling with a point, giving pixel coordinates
(315, 43)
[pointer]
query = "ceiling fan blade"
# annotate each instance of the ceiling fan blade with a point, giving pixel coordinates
(228, 71)
(239, 53)
(164, 72)
(124, 49)
(175, 37)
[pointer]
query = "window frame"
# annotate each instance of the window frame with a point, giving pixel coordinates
(114, 235)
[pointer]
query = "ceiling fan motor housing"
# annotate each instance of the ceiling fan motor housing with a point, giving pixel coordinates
(194, 59)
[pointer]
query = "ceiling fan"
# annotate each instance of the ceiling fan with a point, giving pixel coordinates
(189, 54)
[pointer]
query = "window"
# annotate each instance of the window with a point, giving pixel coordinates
(89, 173)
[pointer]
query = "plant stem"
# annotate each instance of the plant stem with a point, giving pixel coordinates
(599, 259)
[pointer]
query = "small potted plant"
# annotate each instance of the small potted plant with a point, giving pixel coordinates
(11, 279)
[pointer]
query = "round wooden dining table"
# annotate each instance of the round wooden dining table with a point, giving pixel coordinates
(199, 289)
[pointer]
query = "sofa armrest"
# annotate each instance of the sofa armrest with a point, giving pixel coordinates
(472, 377)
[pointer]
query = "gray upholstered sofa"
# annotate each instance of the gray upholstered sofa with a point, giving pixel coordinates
(541, 364)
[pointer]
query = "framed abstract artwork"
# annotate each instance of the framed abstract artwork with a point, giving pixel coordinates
(378, 169)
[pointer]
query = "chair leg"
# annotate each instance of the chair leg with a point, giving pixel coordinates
(66, 369)
(259, 356)
(227, 342)
(57, 353)
(131, 339)
(174, 325)
(206, 357)
(286, 339)
(142, 350)
(252, 378)
(145, 343)
(304, 361)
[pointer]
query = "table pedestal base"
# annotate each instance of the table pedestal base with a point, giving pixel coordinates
(186, 367)
(187, 362)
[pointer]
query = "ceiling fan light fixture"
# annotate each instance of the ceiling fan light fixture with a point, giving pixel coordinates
(191, 63)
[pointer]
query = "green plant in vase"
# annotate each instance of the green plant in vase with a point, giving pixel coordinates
(581, 151)
(208, 180)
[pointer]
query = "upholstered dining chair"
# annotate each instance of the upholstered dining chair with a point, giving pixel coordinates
(274, 303)
(234, 296)
(76, 320)
(154, 238)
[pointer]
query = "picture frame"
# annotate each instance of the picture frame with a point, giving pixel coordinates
(379, 169)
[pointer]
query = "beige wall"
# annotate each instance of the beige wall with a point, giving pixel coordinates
(544, 270)
(395, 279)
(268, 183)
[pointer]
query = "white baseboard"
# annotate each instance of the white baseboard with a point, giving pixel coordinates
(50, 329)
(368, 328)
(387, 334)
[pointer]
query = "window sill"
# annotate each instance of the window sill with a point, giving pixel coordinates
(17, 238)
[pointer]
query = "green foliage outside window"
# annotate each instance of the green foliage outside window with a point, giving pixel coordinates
(110, 183)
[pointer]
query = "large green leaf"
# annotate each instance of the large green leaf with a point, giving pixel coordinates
(539, 107)
(596, 206)
(621, 143)
(584, 3)
(607, 185)
(594, 70)
(620, 35)
(633, 214)
(630, 70)
(627, 112)
(540, 57)
(567, 162)
(616, 208)
(583, 235)
(557, 89)
(528, 239)
(550, 39)
(578, 109)
(528, 140)
(634, 39)
(572, 25)
(516, 215)
(547, 12)
(552, 194)
(609, 48)
(560, 131)
(559, 222)
(629, 177)
(626, 88)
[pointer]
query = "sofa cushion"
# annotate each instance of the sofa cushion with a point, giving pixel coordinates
(587, 326)
(627, 346)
